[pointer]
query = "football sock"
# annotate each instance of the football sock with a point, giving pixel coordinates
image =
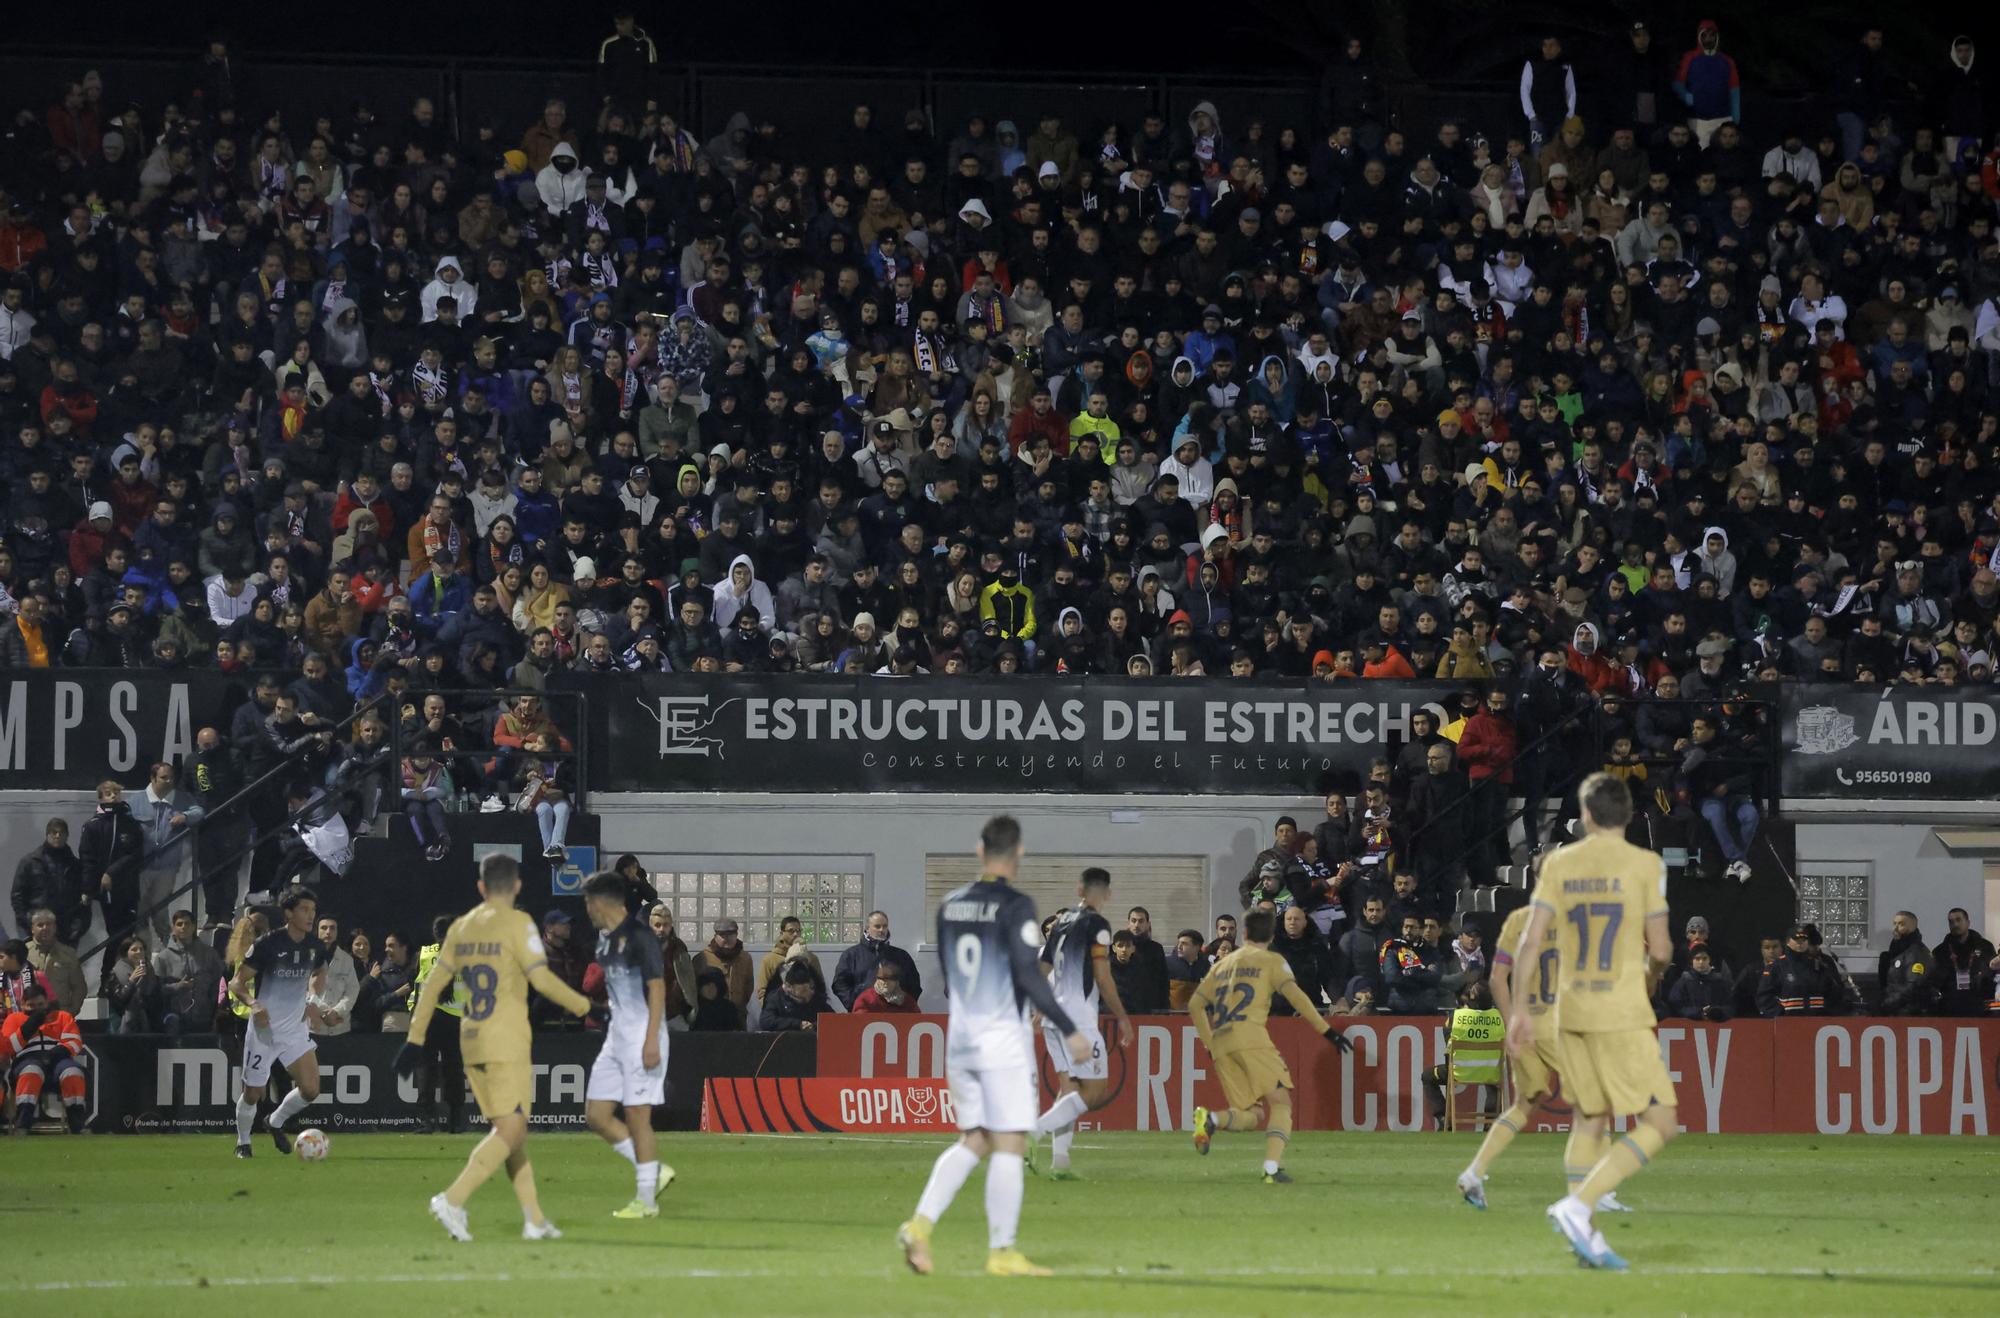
(1505, 1127)
(524, 1191)
(488, 1157)
(1278, 1136)
(1063, 1112)
(1631, 1152)
(246, 1117)
(1580, 1155)
(1060, 1145)
(623, 1148)
(948, 1173)
(649, 1179)
(1005, 1175)
(1239, 1118)
(1270, 1166)
(295, 1103)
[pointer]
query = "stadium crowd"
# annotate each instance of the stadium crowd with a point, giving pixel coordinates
(1619, 402)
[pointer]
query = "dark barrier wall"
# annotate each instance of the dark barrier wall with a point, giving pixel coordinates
(74, 727)
(663, 732)
(151, 1083)
(1896, 743)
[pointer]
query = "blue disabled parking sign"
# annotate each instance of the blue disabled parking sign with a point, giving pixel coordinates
(567, 880)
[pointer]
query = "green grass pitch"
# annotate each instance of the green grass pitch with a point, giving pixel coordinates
(774, 1225)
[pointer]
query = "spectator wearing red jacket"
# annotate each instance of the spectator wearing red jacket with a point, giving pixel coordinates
(1586, 658)
(1486, 751)
(885, 995)
(1039, 417)
(364, 491)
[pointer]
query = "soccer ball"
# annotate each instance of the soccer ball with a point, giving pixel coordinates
(312, 1145)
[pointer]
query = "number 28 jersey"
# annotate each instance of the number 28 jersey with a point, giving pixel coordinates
(1600, 892)
(990, 943)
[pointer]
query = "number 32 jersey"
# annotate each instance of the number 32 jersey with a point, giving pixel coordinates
(990, 943)
(1235, 1000)
(1601, 891)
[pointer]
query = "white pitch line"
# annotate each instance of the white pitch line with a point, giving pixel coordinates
(754, 1274)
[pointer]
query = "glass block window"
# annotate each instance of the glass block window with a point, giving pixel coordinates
(830, 895)
(1839, 897)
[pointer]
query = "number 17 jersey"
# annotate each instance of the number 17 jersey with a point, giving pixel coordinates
(1600, 892)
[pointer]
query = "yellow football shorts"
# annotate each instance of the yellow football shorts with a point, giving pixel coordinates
(1614, 1072)
(501, 1088)
(1533, 1067)
(1249, 1075)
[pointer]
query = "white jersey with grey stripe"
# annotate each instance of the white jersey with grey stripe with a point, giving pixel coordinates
(1071, 957)
(990, 941)
(283, 968)
(630, 957)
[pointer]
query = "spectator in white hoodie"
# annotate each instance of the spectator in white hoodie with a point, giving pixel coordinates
(337, 996)
(560, 182)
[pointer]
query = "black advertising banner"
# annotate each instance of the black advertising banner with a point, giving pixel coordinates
(153, 1083)
(75, 727)
(668, 732)
(1923, 743)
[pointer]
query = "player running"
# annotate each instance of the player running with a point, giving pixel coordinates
(1229, 1008)
(496, 954)
(631, 1067)
(274, 980)
(1532, 1069)
(1605, 901)
(1078, 954)
(988, 938)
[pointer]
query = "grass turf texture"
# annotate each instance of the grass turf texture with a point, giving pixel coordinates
(1741, 1224)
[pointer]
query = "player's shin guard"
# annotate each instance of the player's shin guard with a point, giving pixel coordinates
(1582, 1153)
(1063, 1112)
(1505, 1127)
(1059, 1145)
(1006, 1174)
(1239, 1118)
(948, 1173)
(1628, 1154)
(524, 1192)
(488, 1157)
(623, 1148)
(246, 1117)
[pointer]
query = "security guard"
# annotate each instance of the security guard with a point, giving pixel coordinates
(1804, 981)
(1478, 1043)
(443, 1062)
(1907, 971)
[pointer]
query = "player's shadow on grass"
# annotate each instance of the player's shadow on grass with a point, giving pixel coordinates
(634, 1242)
(1285, 1286)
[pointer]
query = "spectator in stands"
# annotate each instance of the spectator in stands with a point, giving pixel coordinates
(1186, 967)
(1148, 985)
(1702, 992)
(1360, 947)
(680, 966)
(51, 876)
(110, 852)
(791, 934)
(190, 972)
(337, 996)
(856, 968)
(1750, 979)
(800, 998)
(725, 955)
(56, 961)
(568, 957)
(886, 994)
(132, 997)
(167, 812)
(1717, 782)
(1964, 967)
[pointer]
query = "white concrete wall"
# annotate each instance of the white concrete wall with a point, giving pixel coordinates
(1912, 872)
(898, 831)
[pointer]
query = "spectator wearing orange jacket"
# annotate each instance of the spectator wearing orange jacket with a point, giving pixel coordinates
(40, 1042)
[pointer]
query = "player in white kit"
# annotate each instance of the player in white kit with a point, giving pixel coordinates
(989, 940)
(631, 1068)
(1078, 955)
(274, 980)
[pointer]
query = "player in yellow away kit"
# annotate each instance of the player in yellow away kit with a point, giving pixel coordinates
(1604, 901)
(496, 953)
(1229, 1008)
(1531, 1070)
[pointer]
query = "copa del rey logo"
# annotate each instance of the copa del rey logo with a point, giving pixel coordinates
(898, 1105)
(1824, 730)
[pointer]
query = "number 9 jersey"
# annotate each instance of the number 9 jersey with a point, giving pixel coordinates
(492, 950)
